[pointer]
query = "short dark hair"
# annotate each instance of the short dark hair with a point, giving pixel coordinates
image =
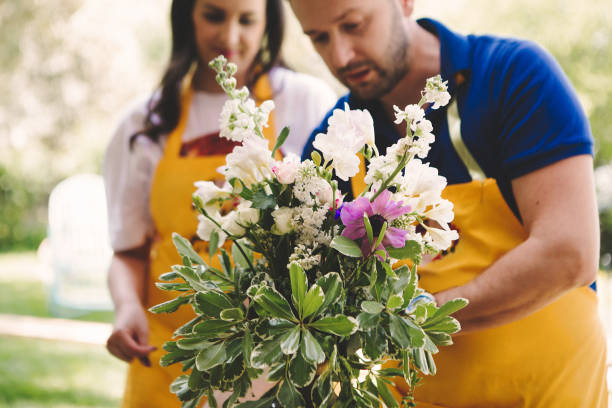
(163, 112)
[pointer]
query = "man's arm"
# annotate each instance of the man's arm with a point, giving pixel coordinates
(559, 212)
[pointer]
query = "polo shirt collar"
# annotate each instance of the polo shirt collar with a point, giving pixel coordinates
(455, 53)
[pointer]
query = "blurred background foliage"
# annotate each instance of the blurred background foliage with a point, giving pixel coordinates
(71, 68)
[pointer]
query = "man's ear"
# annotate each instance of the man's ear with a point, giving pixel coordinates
(407, 7)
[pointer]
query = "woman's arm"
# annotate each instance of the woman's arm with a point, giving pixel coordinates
(126, 281)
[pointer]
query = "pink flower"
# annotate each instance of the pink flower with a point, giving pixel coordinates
(380, 210)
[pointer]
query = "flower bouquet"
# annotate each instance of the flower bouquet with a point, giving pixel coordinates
(315, 292)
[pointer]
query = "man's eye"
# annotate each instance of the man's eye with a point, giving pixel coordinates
(351, 26)
(320, 39)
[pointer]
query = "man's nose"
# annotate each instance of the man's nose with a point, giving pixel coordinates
(342, 52)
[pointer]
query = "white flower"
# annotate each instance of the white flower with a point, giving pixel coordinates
(436, 92)
(411, 113)
(286, 170)
(232, 225)
(283, 221)
(208, 191)
(246, 215)
(206, 227)
(419, 179)
(440, 239)
(251, 162)
(380, 168)
(441, 212)
(348, 131)
(325, 195)
(241, 118)
(357, 124)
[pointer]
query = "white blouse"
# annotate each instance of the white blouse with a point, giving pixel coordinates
(301, 103)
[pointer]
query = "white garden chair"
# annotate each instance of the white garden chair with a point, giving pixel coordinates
(79, 246)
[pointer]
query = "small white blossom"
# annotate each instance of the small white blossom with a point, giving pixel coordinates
(302, 255)
(411, 113)
(436, 92)
(380, 168)
(440, 239)
(283, 221)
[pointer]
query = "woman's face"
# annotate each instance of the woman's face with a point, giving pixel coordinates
(233, 28)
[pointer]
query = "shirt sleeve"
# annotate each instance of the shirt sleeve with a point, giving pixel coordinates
(128, 173)
(301, 102)
(542, 120)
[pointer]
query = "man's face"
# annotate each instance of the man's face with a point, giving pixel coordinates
(363, 42)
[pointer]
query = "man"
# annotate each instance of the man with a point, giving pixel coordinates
(516, 149)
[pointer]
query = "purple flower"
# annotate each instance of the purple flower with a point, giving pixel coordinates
(380, 210)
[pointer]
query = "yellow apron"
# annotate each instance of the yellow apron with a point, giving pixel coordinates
(553, 358)
(171, 209)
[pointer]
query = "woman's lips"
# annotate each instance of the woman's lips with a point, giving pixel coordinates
(226, 53)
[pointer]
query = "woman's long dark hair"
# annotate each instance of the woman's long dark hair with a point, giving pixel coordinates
(164, 111)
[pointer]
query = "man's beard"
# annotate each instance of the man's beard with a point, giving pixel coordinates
(394, 67)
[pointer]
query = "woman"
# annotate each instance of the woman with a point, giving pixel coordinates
(161, 148)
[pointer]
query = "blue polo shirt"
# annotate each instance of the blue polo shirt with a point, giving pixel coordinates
(518, 110)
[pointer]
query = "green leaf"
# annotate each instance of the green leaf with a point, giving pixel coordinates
(375, 343)
(277, 372)
(179, 287)
(440, 339)
(346, 246)
(180, 387)
(187, 328)
(175, 357)
(299, 283)
(196, 380)
(290, 341)
(448, 308)
(233, 314)
(322, 390)
(210, 357)
(381, 234)
(247, 347)
(213, 244)
(262, 201)
(368, 228)
(289, 396)
(301, 372)
(332, 286)
(339, 325)
(212, 302)
(183, 246)
(171, 305)
(367, 321)
(371, 307)
(311, 349)
(385, 394)
(265, 354)
(313, 300)
(405, 333)
(274, 303)
(280, 140)
(394, 302)
(411, 250)
(192, 278)
(262, 403)
(410, 289)
(239, 259)
(448, 325)
(420, 361)
(168, 276)
(212, 328)
(193, 343)
(316, 157)
(431, 363)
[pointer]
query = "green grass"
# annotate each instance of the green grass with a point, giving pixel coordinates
(40, 373)
(24, 293)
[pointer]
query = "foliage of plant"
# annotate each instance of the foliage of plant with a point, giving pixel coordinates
(320, 307)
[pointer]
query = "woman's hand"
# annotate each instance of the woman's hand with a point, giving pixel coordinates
(130, 337)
